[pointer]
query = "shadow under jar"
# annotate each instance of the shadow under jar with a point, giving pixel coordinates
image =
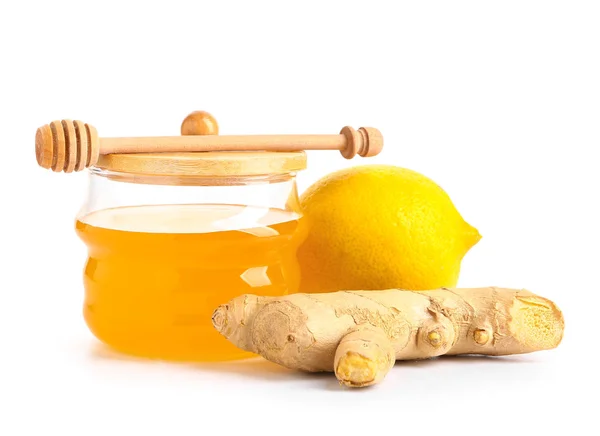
(172, 236)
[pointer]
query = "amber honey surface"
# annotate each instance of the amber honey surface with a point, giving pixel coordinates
(156, 273)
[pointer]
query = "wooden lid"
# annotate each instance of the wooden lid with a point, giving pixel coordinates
(217, 164)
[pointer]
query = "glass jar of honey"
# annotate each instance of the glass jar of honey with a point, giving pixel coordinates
(171, 236)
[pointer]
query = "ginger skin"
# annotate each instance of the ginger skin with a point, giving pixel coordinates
(360, 334)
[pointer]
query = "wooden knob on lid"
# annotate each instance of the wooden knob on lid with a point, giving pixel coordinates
(199, 123)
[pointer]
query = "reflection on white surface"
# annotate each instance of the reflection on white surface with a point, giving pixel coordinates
(256, 277)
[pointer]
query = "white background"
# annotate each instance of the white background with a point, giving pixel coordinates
(498, 102)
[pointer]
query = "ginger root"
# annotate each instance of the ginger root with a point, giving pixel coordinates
(360, 334)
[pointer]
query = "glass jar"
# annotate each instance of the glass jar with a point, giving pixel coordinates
(172, 236)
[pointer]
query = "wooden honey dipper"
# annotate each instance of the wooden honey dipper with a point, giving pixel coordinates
(73, 145)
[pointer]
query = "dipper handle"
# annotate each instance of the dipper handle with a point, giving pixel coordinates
(73, 145)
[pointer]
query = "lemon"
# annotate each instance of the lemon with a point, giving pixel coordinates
(380, 227)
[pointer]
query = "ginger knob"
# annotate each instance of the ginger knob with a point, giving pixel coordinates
(481, 336)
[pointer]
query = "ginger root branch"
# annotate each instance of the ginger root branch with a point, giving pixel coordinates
(363, 357)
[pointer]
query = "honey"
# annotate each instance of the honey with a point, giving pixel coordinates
(155, 273)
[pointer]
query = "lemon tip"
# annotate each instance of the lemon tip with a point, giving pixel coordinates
(472, 235)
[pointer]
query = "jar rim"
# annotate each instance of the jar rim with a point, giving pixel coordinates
(213, 164)
(190, 180)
